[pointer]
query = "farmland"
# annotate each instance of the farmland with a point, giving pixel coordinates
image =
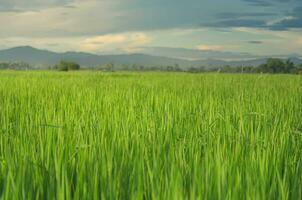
(150, 135)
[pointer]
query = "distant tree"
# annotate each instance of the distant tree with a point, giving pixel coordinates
(73, 66)
(15, 65)
(154, 68)
(66, 66)
(273, 65)
(177, 68)
(125, 67)
(202, 69)
(193, 70)
(61, 67)
(289, 66)
(135, 67)
(110, 67)
(276, 65)
(169, 68)
(298, 69)
(3, 65)
(264, 68)
(247, 69)
(141, 67)
(227, 68)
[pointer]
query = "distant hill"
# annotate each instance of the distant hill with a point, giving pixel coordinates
(38, 57)
(42, 58)
(213, 62)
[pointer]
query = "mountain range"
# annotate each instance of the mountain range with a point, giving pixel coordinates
(44, 58)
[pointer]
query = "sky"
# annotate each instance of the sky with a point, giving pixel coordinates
(242, 27)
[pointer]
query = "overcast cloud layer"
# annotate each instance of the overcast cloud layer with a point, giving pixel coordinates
(108, 26)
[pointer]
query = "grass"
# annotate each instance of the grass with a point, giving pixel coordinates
(93, 135)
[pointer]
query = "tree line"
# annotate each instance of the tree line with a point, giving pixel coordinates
(272, 66)
(67, 66)
(14, 65)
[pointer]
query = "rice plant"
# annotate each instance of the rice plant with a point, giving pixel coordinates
(94, 135)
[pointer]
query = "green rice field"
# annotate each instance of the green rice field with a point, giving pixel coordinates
(150, 135)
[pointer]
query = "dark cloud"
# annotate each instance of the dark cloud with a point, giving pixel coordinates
(289, 11)
(258, 3)
(266, 3)
(293, 21)
(142, 15)
(238, 23)
(228, 15)
(255, 42)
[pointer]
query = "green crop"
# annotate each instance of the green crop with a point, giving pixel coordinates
(94, 135)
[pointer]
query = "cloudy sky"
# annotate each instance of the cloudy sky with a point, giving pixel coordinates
(258, 27)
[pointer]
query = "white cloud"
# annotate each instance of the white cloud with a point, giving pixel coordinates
(118, 41)
(220, 47)
(22, 5)
(275, 21)
(207, 47)
(300, 41)
(79, 18)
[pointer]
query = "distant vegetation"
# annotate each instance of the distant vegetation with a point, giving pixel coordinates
(67, 66)
(272, 66)
(14, 65)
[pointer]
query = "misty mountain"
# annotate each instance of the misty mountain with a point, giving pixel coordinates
(39, 57)
(195, 54)
(43, 58)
